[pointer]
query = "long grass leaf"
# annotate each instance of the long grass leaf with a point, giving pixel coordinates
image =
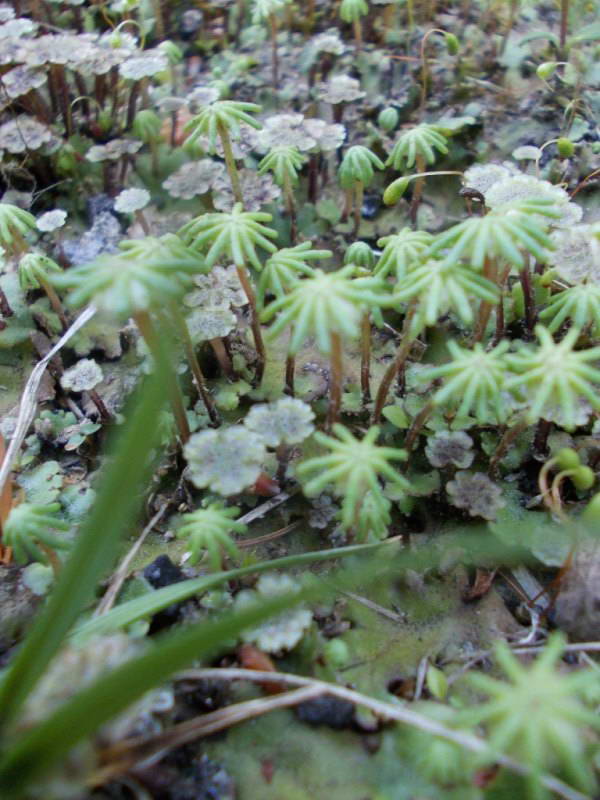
(116, 504)
(140, 607)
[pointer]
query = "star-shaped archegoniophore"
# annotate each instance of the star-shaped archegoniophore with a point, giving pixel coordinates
(419, 142)
(285, 268)
(538, 715)
(502, 233)
(402, 252)
(358, 166)
(442, 286)
(284, 162)
(14, 224)
(145, 274)
(580, 304)
(218, 116)
(555, 372)
(29, 531)
(236, 235)
(473, 380)
(323, 304)
(352, 467)
(210, 529)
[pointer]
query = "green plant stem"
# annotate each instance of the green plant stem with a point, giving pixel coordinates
(335, 381)
(254, 322)
(232, 170)
(396, 365)
(365, 358)
(146, 327)
(192, 359)
(359, 191)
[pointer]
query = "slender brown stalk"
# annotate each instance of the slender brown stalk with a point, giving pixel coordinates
(274, 54)
(359, 192)
(290, 369)
(5, 308)
(132, 104)
(58, 73)
(564, 22)
(335, 381)
(510, 434)
(365, 358)
(528, 298)
(396, 365)
(290, 202)
(199, 378)
(234, 176)
(54, 299)
(418, 187)
(417, 426)
(146, 327)
(254, 321)
(358, 36)
(485, 308)
(100, 405)
(223, 358)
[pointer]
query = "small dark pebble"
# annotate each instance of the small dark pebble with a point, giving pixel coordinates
(163, 572)
(371, 205)
(326, 710)
(160, 573)
(182, 775)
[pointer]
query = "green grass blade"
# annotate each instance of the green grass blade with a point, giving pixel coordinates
(117, 502)
(145, 606)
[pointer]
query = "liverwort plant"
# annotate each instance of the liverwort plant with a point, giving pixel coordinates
(285, 161)
(538, 712)
(355, 173)
(417, 147)
(266, 11)
(401, 252)
(279, 274)
(554, 372)
(328, 307)
(209, 529)
(15, 222)
(222, 119)
(353, 467)
(352, 11)
(237, 235)
(147, 274)
(432, 289)
(28, 531)
(34, 271)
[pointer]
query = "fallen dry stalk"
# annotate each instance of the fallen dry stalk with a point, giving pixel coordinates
(130, 751)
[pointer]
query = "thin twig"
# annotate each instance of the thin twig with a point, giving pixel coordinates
(118, 578)
(268, 537)
(122, 756)
(399, 713)
(28, 403)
